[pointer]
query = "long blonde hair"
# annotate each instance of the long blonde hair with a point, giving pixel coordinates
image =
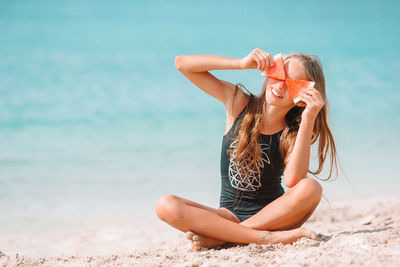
(248, 151)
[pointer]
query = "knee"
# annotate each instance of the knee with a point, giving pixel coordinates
(308, 189)
(167, 207)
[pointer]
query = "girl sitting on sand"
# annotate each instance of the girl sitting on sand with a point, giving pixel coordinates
(266, 136)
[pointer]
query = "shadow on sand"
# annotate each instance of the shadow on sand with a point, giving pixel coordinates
(326, 238)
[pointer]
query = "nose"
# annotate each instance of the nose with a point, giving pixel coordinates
(281, 84)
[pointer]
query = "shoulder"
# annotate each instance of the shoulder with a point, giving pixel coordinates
(237, 102)
(235, 106)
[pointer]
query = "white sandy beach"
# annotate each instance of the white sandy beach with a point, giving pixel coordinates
(363, 232)
(97, 123)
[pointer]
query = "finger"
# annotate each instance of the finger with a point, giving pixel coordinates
(306, 93)
(268, 59)
(305, 98)
(271, 60)
(260, 61)
(311, 93)
(309, 90)
(255, 58)
(315, 95)
(309, 100)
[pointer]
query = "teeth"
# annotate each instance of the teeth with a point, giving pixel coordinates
(275, 93)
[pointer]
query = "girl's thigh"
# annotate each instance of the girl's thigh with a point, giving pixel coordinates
(197, 205)
(223, 212)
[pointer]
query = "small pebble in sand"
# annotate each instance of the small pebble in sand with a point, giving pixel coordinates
(366, 220)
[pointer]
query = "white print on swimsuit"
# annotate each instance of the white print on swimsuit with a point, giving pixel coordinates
(252, 179)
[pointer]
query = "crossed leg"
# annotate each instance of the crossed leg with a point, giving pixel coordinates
(277, 222)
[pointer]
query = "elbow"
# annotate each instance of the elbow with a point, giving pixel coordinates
(290, 181)
(179, 62)
(291, 178)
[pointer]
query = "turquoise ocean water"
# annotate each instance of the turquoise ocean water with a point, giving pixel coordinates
(96, 123)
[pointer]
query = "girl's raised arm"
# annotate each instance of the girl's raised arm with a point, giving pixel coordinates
(196, 67)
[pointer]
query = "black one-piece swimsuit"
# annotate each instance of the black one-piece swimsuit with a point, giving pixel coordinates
(245, 196)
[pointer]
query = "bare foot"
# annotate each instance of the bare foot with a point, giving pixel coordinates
(199, 241)
(286, 237)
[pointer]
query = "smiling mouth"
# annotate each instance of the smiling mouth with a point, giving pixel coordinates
(275, 93)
